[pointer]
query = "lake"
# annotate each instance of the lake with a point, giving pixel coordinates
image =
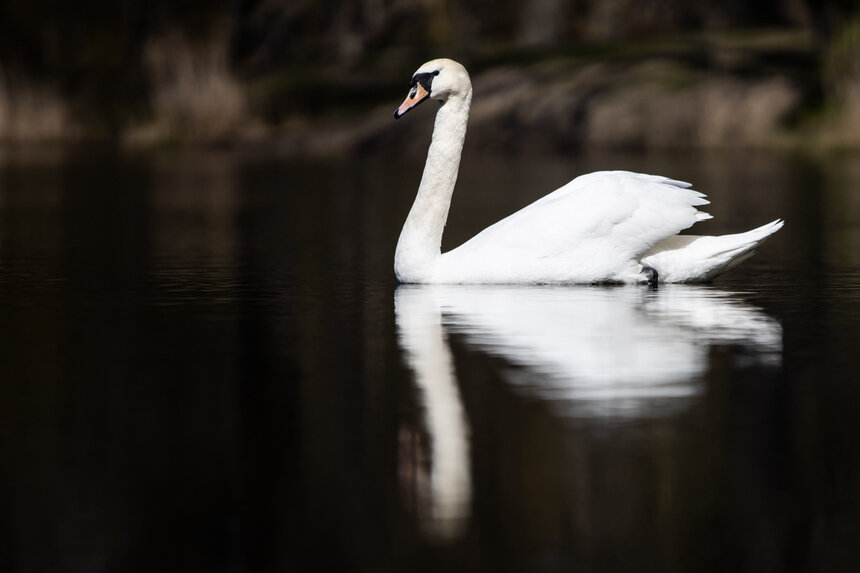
(206, 365)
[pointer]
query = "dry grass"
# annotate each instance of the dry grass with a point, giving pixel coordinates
(842, 68)
(838, 126)
(30, 112)
(652, 104)
(194, 96)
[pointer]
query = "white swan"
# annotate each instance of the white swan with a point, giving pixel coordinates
(602, 227)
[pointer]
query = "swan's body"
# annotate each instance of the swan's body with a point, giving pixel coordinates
(607, 226)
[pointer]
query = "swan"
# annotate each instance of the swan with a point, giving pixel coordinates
(607, 226)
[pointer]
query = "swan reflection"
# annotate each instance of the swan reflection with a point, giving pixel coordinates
(442, 495)
(624, 351)
(618, 349)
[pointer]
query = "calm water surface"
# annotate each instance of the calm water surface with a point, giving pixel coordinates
(206, 365)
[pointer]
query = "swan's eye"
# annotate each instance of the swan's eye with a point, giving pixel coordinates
(436, 72)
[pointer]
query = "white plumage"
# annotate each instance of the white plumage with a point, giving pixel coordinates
(601, 227)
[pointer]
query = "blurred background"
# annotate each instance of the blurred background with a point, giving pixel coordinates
(309, 74)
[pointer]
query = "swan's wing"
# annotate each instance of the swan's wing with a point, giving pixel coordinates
(602, 220)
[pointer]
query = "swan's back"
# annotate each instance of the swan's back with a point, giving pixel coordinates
(593, 229)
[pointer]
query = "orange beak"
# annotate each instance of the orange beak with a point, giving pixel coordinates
(417, 94)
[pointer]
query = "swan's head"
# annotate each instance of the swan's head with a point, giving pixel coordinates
(437, 79)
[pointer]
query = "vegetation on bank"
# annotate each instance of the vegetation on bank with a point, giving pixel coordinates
(317, 76)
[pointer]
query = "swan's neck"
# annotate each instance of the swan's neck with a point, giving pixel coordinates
(420, 241)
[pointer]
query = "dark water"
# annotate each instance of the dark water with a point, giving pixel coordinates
(205, 365)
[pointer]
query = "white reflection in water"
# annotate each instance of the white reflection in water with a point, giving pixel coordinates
(618, 350)
(595, 351)
(442, 500)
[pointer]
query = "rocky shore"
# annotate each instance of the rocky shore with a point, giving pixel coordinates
(716, 94)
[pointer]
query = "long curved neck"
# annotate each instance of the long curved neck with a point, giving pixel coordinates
(421, 238)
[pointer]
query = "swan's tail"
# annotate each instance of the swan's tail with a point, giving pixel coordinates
(689, 258)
